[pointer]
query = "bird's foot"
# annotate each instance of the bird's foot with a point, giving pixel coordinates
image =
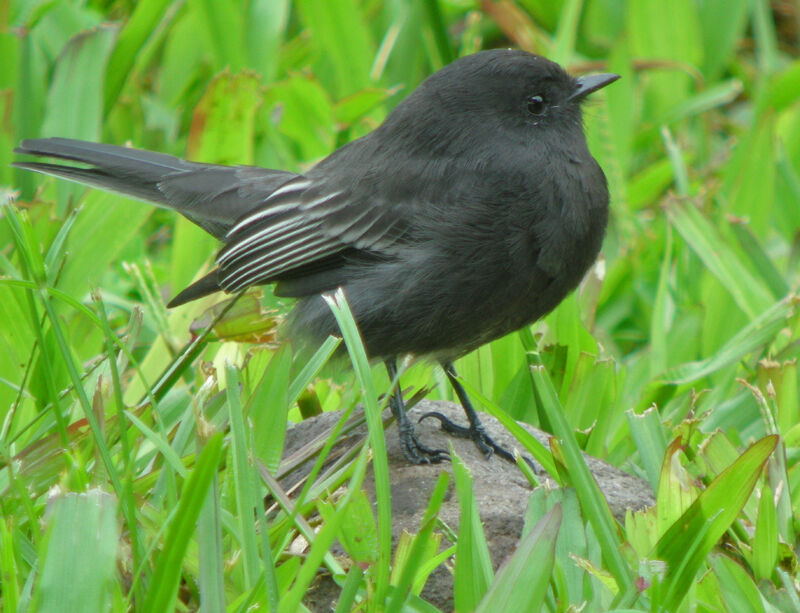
(475, 433)
(417, 453)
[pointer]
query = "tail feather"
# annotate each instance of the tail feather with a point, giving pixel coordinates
(99, 179)
(214, 197)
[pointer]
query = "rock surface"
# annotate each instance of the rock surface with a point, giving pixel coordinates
(501, 490)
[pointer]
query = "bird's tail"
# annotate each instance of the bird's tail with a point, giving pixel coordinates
(214, 197)
(211, 196)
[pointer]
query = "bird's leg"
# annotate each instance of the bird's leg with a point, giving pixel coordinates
(414, 451)
(475, 431)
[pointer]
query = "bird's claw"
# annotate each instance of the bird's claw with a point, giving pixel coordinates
(417, 453)
(476, 434)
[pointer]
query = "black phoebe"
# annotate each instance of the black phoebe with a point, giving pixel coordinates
(472, 211)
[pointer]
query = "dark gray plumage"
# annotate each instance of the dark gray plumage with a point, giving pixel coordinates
(470, 212)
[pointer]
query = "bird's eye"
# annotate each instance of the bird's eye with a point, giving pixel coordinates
(536, 105)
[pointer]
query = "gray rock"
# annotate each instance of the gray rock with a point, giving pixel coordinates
(501, 490)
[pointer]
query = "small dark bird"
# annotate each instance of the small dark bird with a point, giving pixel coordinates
(471, 211)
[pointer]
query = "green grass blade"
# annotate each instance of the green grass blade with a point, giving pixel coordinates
(738, 591)
(380, 467)
(163, 588)
(765, 540)
(473, 573)
(566, 33)
(312, 367)
(340, 33)
(592, 502)
(170, 456)
(663, 310)
(436, 24)
(347, 596)
(761, 262)
(414, 560)
(243, 479)
(8, 567)
(210, 552)
(648, 435)
(224, 120)
(521, 583)
(75, 98)
(748, 291)
(766, 38)
(530, 444)
(750, 338)
(323, 540)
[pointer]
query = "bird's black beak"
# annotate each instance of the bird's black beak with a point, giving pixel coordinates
(591, 83)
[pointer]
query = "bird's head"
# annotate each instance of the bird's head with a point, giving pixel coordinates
(516, 96)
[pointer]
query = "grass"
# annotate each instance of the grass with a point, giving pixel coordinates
(136, 453)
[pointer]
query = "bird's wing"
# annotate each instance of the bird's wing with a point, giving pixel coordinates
(302, 222)
(211, 196)
(275, 224)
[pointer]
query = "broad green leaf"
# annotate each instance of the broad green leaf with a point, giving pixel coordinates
(90, 254)
(74, 107)
(144, 19)
(684, 546)
(521, 583)
(78, 561)
(342, 39)
(676, 491)
(708, 595)
(359, 534)
(267, 409)
(224, 25)
(738, 591)
(667, 32)
(303, 112)
(473, 573)
(222, 129)
(265, 29)
(75, 98)
(721, 23)
(782, 90)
